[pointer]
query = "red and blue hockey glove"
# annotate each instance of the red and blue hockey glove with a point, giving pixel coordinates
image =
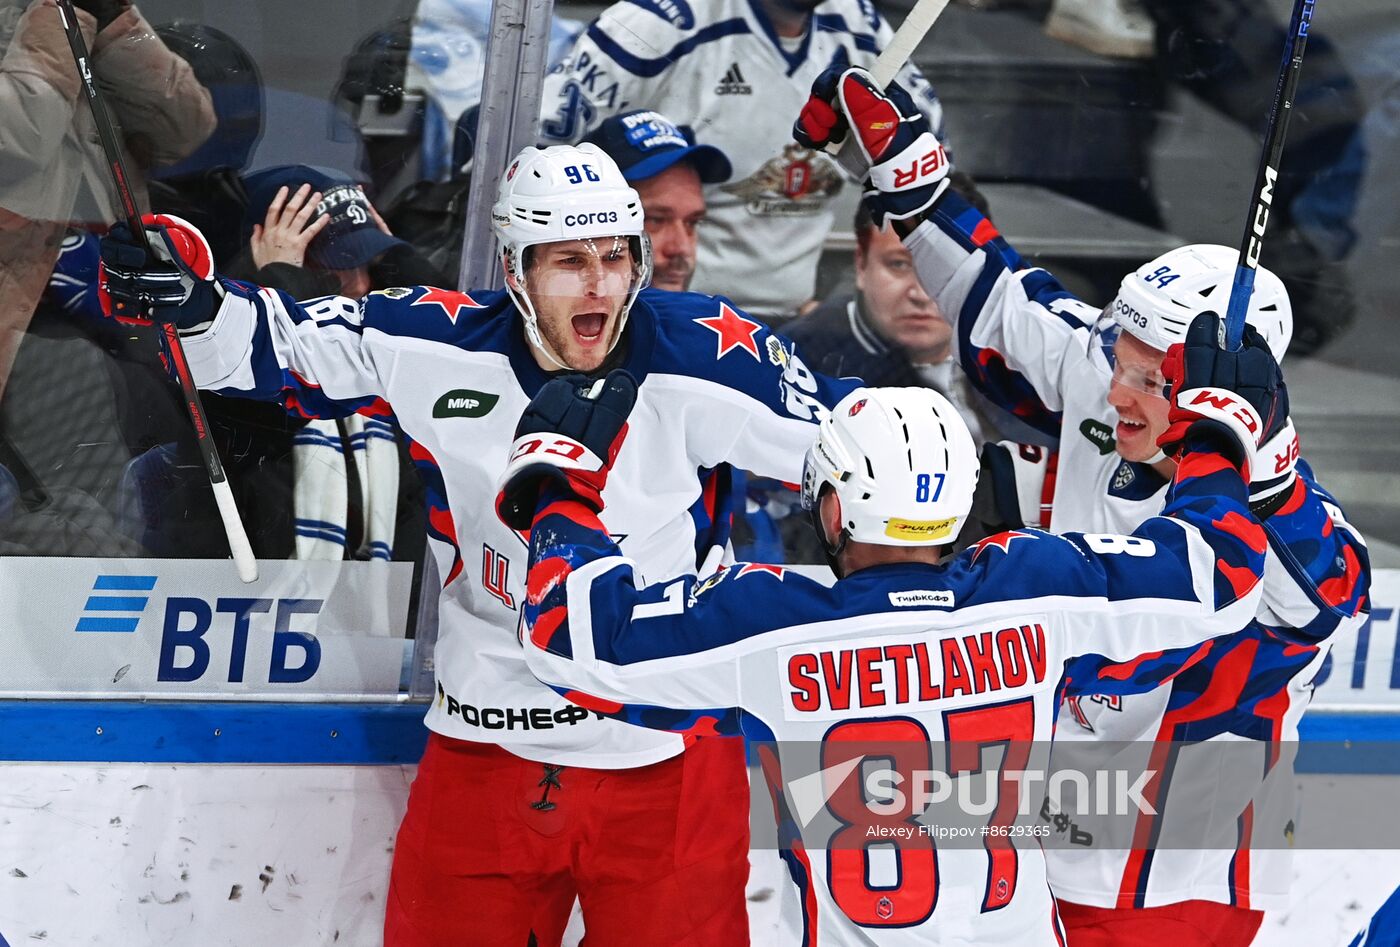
(1236, 399)
(908, 166)
(820, 126)
(177, 286)
(569, 435)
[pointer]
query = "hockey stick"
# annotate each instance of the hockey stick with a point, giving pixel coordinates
(1253, 241)
(223, 496)
(892, 59)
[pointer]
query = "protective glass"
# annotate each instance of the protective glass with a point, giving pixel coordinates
(597, 267)
(1134, 366)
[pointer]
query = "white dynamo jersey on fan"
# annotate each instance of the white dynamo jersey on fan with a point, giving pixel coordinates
(1024, 341)
(456, 373)
(717, 66)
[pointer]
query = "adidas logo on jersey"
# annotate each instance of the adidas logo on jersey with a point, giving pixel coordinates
(733, 83)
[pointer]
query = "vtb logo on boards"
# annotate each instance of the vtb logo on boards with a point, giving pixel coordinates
(118, 602)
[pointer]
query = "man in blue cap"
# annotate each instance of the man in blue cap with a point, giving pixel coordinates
(317, 218)
(667, 168)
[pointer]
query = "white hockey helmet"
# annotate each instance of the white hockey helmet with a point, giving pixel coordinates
(566, 192)
(1157, 301)
(902, 464)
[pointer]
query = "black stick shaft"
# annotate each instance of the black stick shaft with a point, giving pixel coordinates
(111, 148)
(1275, 132)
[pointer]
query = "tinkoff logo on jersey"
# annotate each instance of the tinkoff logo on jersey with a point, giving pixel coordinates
(922, 598)
(464, 403)
(733, 83)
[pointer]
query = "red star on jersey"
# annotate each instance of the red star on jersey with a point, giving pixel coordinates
(1002, 541)
(734, 331)
(451, 301)
(779, 571)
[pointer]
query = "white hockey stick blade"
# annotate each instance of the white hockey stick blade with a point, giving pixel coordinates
(237, 536)
(892, 59)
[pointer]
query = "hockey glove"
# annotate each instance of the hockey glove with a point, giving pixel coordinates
(908, 166)
(569, 435)
(177, 286)
(820, 126)
(1237, 399)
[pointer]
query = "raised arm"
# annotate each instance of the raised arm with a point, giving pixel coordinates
(1021, 336)
(315, 357)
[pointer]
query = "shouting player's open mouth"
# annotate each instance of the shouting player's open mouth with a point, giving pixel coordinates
(588, 327)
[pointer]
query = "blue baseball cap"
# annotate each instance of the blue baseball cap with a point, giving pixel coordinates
(645, 143)
(352, 238)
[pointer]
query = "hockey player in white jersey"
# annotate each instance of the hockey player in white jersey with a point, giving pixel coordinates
(1095, 381)
(943, 657)
(736, 71)
(523, 801)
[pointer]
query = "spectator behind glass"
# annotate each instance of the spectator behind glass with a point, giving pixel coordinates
(666, 166)
(206, 187)
(312, 232)
(1225, 52)
(889, 332)
(63, 440)
(736, 71)
(445, 59)
(320, 221)
(50, 157)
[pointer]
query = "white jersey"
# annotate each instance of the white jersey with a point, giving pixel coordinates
(1025, 342)
(456, 372)
(718, 66)
(953, 668)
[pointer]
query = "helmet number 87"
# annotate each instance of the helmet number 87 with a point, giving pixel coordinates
(922, 485)
(575, 177)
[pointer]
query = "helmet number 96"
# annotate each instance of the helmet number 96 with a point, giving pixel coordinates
(577, 176)
(922, 485)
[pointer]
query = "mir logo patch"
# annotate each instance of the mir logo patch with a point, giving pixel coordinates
(1100, 434)
(119, 612)
(464, 403)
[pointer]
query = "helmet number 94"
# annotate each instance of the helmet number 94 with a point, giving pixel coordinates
(1162, 275)
(922, 485)
(578, 173)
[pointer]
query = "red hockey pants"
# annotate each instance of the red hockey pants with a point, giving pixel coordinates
(655, 855)
(1187, 924)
